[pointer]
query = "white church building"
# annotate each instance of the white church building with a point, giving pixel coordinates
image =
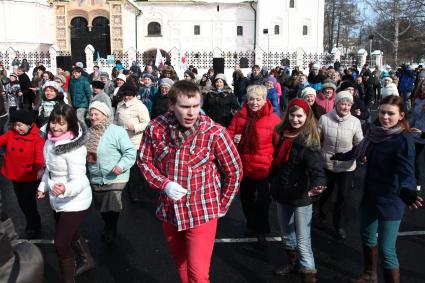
(244, 32)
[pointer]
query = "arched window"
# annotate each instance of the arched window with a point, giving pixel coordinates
(276, 29)
(291, 3)
(305, 30)
(154, 28)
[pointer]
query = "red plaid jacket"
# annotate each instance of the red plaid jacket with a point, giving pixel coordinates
(194, 165)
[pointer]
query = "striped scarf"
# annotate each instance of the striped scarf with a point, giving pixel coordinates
(376, 134)
(96, 132)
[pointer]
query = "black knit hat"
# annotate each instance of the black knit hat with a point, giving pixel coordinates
(127, 90)
(98, 84)
(22, 116)
(346, 84)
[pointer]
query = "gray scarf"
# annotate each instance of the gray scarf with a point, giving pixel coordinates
(376, 134)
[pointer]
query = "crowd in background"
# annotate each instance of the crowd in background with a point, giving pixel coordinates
(287, 125)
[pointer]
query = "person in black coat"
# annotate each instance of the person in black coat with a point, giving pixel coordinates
(160, 103)
(255, 78)
(240, 83)
(221, 104)
(298, 176)
(26, 92)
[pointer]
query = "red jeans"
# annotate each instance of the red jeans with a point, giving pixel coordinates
(191, 250)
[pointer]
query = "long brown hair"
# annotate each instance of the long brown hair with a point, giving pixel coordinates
(309, 133)
(396, 101)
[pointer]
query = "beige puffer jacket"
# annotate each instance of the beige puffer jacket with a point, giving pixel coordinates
(339, 134)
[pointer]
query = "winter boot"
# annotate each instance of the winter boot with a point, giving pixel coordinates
(87, 262)
(392, 275)
(370, 257)
(308, 275)
(68, 270)
(291, 266)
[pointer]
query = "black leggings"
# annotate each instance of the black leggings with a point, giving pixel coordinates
(339, 185)
(67, 231)
(26, 193)
(255, 198)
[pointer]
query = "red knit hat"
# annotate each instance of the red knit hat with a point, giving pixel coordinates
(300, 103)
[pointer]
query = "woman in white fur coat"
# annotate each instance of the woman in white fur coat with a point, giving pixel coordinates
(68, 187)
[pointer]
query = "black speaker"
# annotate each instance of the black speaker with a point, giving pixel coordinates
(218, 65)
(64, 62)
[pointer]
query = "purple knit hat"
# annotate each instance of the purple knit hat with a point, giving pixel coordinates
(272, 79)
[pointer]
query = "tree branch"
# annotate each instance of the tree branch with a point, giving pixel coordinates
(384, 38)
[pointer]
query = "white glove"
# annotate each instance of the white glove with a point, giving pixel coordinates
(175, 191)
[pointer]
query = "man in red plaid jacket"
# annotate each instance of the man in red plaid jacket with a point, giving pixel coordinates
(196, 167)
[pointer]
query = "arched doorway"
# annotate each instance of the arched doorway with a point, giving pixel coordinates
(99, 37)
(150, 55)
(80, 36)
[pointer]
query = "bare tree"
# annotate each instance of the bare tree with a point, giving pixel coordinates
(395, 12)
(341, 19)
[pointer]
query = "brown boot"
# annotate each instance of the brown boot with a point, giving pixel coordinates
(392, 275)
(290, 267)
(308, 275)
(68, 270)
(87, 262)
(370, 258)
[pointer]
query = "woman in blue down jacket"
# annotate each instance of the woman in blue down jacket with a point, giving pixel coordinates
(389, 152)
(110, 155)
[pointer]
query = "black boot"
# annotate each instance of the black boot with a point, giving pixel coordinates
(370, 274)
(112, 232)
(87, 262)
(107, 227)
(68, 270)
(308, 275)
(291, 266)
(392, 275)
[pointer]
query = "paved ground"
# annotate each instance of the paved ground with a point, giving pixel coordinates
(140, 254)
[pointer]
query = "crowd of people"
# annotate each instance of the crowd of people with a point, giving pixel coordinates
(294, 137)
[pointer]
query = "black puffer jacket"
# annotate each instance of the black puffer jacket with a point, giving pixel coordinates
(221, 106)
(160, 105)
(303, 171)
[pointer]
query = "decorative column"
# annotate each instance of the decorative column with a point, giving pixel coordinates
(362, 56)
(53, 53)
(299, 58)
(61, 29)
(89, 50)
(259, 56)
(175, 56)
(131, 56)
(378, 56)
(336, 54)
(115, 24)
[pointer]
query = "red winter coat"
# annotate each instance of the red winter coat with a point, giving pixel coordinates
(324, 105)
(257, 165)
(23, 157)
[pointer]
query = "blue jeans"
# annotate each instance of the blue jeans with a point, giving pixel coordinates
(386, 240)
(295, 223)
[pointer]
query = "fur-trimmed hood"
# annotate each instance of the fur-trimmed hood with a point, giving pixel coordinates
(80, 140)
(68, 145)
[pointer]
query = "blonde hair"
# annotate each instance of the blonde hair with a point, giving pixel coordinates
(256, 90)
(309, 134)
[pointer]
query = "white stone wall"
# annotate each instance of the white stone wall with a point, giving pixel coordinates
(129, 26)
(26, 25)
(291, 22)
(29, 25)
(217, 28)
